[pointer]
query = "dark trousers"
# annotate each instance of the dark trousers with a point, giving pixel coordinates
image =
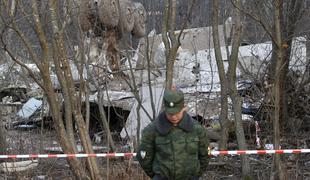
(159, 177)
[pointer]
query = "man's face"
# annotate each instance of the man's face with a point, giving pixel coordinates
(175, 118)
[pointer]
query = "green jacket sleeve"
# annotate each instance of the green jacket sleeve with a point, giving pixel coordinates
(146, 150)
(203, 150)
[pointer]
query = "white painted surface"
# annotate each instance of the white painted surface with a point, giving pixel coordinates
(29, 108)
(131, 123)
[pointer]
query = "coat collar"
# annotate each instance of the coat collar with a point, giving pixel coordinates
(163, 125)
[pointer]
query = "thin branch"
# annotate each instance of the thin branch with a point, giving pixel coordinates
(22, 65)
(257, 19)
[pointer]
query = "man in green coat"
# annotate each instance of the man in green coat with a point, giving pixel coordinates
(174, 146)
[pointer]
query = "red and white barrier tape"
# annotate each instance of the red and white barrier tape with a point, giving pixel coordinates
(214, 153)
(280, 151)
(67, 155)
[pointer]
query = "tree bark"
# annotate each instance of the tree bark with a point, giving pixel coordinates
(278, 85)
(59, 55)
(104, 120)
(307, 71)
(74, 105)
(224, 85)
(170, 39)
(171, 43)
(233, 92)
(2, 136)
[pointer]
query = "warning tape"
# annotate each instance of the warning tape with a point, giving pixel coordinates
(67, 155)
(214, 153)
(281, 151)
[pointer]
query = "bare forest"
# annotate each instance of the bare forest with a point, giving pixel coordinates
(86, 76)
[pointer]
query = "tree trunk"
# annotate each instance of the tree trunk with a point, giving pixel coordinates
(64, 142)
(307, 71)
(76, 109)
(67, 97)
(105, 121)
(169, 38)
(2, 136)
(233, 93)
(219, 61)
(278, 83)
(284, 26)
(12, 8)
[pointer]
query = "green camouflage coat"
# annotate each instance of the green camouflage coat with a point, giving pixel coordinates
(174, 152)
